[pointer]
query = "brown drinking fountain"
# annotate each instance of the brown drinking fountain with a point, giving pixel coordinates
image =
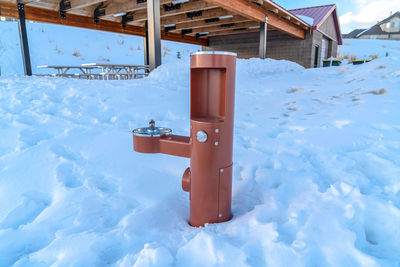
(210, 145)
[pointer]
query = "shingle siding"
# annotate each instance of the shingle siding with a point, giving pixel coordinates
(328, 28)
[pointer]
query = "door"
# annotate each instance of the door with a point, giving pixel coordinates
(316, 56)
(324, 50)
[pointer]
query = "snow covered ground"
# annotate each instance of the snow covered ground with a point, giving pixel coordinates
(364, 48)
(316, 170)
(59, 45)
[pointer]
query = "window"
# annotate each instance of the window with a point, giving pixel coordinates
(393, 24)
(390, 36)
(372, 37)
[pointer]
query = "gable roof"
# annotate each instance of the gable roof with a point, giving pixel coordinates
(376, 29)
(354, 33)
(397, 14)
(320, 14)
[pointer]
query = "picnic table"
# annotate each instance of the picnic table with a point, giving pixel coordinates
(64, 69)
(132, 71)
(106, 71)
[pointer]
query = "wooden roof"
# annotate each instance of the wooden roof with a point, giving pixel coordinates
(189, 21)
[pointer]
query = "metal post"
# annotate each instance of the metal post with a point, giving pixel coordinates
(263, 39)
(153, 15)
(24, 40)
(146, 46)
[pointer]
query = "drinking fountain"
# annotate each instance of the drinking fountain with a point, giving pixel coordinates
(210, 145)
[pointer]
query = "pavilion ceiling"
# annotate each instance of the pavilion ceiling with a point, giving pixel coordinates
(189, 21)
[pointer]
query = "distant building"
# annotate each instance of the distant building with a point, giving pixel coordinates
(321, 42)
(387, 29)
(6, 19)
(354, 34)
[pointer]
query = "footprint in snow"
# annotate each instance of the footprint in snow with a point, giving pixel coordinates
(32, 137)
(27, 119)
(247, 125)
(32, 205)
(102, 183)
(68, 175)
(61, 151)
(275, 132)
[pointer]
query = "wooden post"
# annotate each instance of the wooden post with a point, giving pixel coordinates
(154, 30)
(263, 39)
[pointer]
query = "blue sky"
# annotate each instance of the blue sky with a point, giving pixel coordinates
(353, 13)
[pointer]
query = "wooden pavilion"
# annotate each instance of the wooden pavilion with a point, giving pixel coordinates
(187, 21)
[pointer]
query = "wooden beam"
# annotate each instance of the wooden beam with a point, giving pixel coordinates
(77, 4)
(202, 23)
(258, 13)
(195, 5)
(221, 27)
(49, 16)
(206, 14)
(227, 32)
(49, 4)
(242, 7)
(26, 2)
(117, 7)
(273, 7)
(285, 26)
(186, 39)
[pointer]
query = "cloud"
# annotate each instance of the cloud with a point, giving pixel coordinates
(367, 12)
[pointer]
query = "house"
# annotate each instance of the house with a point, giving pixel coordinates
(353, 34)
(6, 19)
(387, 29)
(320, 42)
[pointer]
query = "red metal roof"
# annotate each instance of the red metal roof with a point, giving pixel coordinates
(320, 14)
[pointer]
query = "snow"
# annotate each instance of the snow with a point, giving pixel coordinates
(59, 45)
(362, 32)
(316, 169)
(306, 19)
(365, 48)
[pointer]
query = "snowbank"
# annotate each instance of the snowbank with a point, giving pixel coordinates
(316, 170)
(365, 48)
(59, 45)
